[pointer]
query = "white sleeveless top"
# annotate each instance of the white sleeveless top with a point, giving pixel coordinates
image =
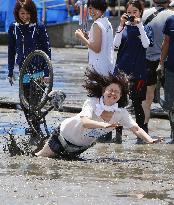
(102, 62)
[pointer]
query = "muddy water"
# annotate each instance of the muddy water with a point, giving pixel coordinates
(104, 174)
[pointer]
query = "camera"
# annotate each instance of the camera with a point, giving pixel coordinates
(131, 18)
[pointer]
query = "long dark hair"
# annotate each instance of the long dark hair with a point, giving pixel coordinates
(96, 83)
(29, 6)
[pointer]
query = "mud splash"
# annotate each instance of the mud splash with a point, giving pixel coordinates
(15, 145)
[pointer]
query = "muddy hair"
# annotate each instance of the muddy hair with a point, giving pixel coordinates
(98, 4)
(137, 4)
(96, 83)
(29, 6)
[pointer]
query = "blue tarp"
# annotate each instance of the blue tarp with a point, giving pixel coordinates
(9, 17)
(6, 13)
(56, 12)
(3, 5)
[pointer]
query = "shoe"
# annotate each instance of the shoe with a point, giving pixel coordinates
(57, 98)
(118, 138)
(105, 138)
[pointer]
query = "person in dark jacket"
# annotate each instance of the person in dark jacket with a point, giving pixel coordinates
(25, 35)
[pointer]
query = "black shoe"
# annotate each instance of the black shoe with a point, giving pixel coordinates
(105, 138)
(118, 138)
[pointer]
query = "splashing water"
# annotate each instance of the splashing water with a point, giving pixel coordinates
(17, 146)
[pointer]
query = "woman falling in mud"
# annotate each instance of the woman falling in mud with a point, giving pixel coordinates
(102, 112)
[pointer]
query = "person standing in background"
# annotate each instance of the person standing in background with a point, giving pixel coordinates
(161, 12)
(72, 8)
(100, 44)
(25, 35)
(168, 72)
(99, 40)
(131, 41)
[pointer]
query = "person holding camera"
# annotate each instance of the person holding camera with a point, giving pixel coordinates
(131, 41)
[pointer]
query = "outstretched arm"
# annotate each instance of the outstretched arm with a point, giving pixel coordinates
(139, 132)
(88, 123)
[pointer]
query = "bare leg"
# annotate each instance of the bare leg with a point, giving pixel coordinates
(52, 147)
(45, 152)
(148, 102)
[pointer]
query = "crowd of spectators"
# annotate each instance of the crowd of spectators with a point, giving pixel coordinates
(114, 6)
(73, 7)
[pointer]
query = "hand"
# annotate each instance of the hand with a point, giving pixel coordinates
(46, 80)
(158, 140)
(86, 35)
(136, 21)
(11, 80)
(160, 70)
(123, 19)
(79, 34)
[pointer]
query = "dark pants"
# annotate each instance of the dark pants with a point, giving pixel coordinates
(137, 95)
(171, 119)
(56, 146)
(54, 142)
(168, 104)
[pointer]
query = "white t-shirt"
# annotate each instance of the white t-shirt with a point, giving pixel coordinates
(102, 62)
(73, 131)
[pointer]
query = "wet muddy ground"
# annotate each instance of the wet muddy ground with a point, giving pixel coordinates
(105, 174)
